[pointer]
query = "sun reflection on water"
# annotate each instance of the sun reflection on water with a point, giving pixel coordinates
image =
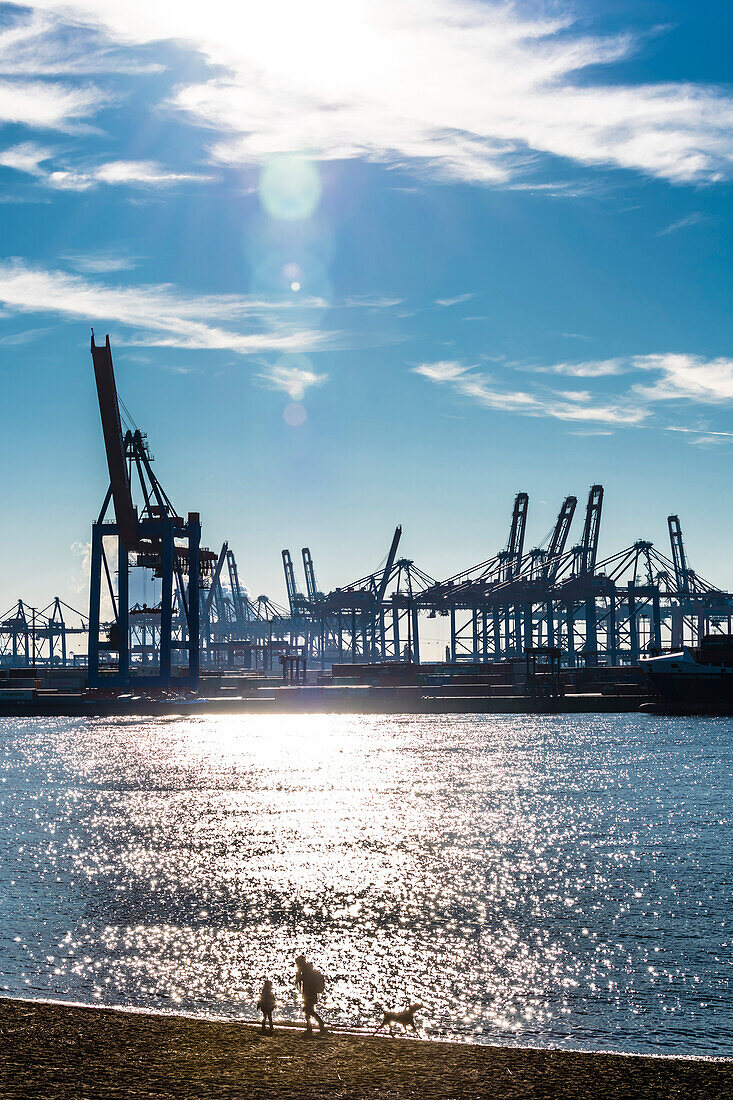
(540, 879)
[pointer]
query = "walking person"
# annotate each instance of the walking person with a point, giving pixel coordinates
(311, 982)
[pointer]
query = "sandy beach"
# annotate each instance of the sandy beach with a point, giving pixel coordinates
(60, 1051)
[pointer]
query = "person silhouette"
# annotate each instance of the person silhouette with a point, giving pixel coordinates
(311, 982)
(266, 1004)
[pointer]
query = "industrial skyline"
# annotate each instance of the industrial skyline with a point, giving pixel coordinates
(401, 304)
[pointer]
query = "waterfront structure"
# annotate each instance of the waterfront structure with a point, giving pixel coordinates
(156, 645)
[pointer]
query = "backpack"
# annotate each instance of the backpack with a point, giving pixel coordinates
(318, 981)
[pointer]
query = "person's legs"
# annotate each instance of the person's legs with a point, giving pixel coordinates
(308, 1007)
(269, 1020)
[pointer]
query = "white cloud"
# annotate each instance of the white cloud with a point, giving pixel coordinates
(570, 406)
(293, 380)
(700, 431)
(372, 301)
(47, 106)
(686, 377)
(446, 370)
(707, 441)
(467, 90)
(32, 159)
(39, 44)
(593, 368)
(26, 157)
(689, 220)
(100, 263)
(160, 315)
(459, 298)
(140, 171)
(683, 378)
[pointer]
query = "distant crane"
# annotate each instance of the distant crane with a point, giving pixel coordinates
(591, 529)
(515, 546)
(310, 575)
(559, 539)
(681, 571)
(290, 586)
(242, 612)
(381, 590)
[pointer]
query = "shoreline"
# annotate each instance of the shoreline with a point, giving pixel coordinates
(60, 1050)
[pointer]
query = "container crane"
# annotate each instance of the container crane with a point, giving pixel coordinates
(555, 551)
(591, 529)
(310, 575)
(158, 539)
(588, 556)
(681, 571)
(241, 604)
(381, 590)
(559, 539)
(114, 445)
(290, 587)
(515, 546)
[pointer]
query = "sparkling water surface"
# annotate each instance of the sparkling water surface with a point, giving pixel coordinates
(542, 880)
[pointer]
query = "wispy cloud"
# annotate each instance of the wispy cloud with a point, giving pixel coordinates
(37, 43)
(33, 160)
(592, 368)
(484, 390)
(686, 379)
(372, 301)
(100, 263)
(146, 172)
(17, 339)
(454, 301)
(689, 220)
(47, 106)
(698, 431)
(293, 380)
(161, 316)
(446, 370)
(459, 89)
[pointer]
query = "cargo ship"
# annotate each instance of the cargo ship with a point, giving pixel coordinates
(694, 681)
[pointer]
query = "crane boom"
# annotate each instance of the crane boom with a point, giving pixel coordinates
(109, 408)
(236, 588)
(592, 528)
(390, 562)
(310, 574)
(515, 546)
(682, 573)
(215, 580)
(560, 535)
(290, 581)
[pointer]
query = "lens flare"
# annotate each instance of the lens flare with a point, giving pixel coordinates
(295, 415)
(290, 188)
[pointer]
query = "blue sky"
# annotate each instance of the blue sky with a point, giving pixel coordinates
(367, 263)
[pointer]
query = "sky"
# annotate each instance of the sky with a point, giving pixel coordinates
(364, 264)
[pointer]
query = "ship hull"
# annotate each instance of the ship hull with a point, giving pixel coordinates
(684, 686)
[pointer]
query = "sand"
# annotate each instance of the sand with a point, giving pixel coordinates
(53, 1051)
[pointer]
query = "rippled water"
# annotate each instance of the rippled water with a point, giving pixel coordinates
(550, 880)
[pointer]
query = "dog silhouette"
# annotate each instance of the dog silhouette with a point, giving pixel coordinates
(405, 1018)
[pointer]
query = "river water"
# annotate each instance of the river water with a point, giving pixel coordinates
(541, 880)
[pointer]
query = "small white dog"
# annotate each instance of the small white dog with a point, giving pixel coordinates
(407, 1016)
